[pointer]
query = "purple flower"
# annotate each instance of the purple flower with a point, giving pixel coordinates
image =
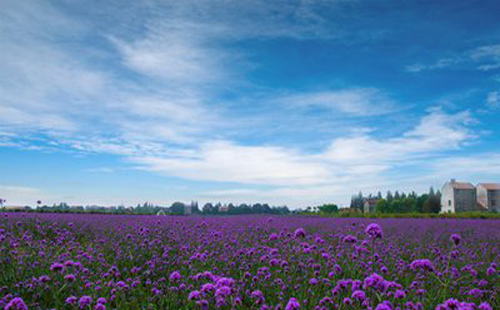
(422, 264)
(257, 295)
(358, 295)
(84, 301)
(223, 291)
(194, 295)
(455, 239)
(16, 304)
(56, 267)
(300, 233)
(399, 294)
(374, 231)
(71, 300)
(174, 276)
(44, 279)
(100, 307)
(69, 278)
(384, 306)
(485, 306)
(350, 239)
(207, 287)
(101, 300)
(293, 304)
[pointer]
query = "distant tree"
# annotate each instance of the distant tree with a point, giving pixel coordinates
(435, 202)
(396, 205)
(389, 197)
(409, 204)
(419, 206)
(208, 208)
(379, 195)
(194, 207)
(177, 208)
(382, 206)
(397, 195)
(328, 208)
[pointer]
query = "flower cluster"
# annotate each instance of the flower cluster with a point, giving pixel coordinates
(99, 262)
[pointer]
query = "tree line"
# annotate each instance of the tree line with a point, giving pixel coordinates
(401, 202)
(176, 208)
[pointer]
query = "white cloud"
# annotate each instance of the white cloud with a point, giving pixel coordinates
(493, 100)
(437, 131)
(484, 58)
(360, 162)
(477, 168)
(224, 161)
(176, 51)
(354, 101)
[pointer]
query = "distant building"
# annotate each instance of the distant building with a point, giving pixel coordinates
(488, 196)
(223, 209)
(458, 197)
(370, 205)
(188, 209)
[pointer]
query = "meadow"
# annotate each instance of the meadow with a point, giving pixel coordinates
(91, 261)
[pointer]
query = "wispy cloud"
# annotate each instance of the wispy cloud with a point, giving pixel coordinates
(493, 100)
(483, 58)
(358, 162)
(353, 101)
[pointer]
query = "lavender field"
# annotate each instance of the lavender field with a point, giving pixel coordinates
(58, 261)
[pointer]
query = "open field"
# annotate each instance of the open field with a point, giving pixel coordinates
(70, 261)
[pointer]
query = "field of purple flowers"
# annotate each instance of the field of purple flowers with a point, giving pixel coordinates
(64, 261)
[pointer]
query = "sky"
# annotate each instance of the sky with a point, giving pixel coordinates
(292, 103)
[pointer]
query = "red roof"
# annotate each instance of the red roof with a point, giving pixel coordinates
(490, 186)
(462, 185)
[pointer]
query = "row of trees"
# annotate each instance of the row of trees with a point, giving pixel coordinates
(175, 208)
(401, 202)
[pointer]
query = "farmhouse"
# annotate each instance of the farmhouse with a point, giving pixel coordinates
(458, 197)
(488, 196)
(370, 205)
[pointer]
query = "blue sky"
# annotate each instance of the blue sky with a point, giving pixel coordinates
(285, 102)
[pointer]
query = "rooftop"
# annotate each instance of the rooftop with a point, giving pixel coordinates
(490, 186)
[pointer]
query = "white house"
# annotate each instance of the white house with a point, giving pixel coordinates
(488, 196)
(370, 205)
(458, 197)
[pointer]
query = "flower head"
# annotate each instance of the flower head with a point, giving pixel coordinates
(422, 264)
(174, 276)
(300, 233)
(16, 304)
(84, 301)
(455, 239)
(293, 304)
(374, 231)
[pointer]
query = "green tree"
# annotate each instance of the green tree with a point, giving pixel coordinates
(382, 206)
(328, 208)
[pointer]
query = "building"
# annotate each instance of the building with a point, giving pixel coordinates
(188, 209)
(488, 196)
(458, 197)
(370, 205)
